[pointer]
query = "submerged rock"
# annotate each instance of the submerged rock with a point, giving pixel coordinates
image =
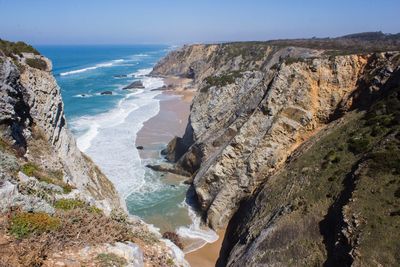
(106, 93)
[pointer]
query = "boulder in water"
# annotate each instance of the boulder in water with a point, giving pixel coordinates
(106, 93)
(134, 85)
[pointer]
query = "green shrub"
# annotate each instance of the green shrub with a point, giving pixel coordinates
(36, 63)
(50, 177)
(382, 120)
(110, 260)
(24, 224)
(69, 204)
(67, 188)
(170, 262)
(10, 48)
(94, 209)
(397, 193)
(221, 80)
(386, 161)
(359, 144)
(329, 158)
(30, 169)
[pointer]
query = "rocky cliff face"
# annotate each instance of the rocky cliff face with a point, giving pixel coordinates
(56, 207)
(32, 120)
(253, 111)
(259, 107)
(336, 200)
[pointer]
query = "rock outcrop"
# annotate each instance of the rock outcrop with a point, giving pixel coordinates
(56, 207)
(252, 112)
(32, 120)
(261, 105)
(336, 201)
(134, 85)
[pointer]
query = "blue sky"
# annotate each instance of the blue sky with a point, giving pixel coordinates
(185, 21)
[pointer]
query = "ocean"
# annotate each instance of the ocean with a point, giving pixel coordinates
(106, 126)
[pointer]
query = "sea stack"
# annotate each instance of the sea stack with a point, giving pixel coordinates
(134, 85)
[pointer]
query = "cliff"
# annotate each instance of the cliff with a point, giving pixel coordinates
(263, 107)
(336, 200)
(56, 206)
(33, 122)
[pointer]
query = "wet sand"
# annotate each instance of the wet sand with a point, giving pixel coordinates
(171, 121)
(206, 256)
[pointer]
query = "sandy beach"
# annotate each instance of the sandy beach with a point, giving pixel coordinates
(171, 121)
(207, 255)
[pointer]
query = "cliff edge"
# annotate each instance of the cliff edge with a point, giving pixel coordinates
(260, 107)
(56, 206)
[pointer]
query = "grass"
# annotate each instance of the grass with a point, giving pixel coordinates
(30, 169)
(36, 63)
(69, 204)
(110, 260)
(37, 235)
(94, 209)
(50, 176)
(66, 204)
(24, 224)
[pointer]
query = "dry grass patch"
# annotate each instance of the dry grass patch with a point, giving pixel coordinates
(35, 236)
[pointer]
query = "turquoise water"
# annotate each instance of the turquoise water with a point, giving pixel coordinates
(106, 126)
(90, 70)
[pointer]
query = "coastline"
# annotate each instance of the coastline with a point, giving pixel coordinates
(171, 121)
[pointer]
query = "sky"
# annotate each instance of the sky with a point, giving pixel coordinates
(190, 21)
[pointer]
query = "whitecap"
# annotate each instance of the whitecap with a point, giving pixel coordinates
(84, 95)
(197, 234)
(140, 73)
(109, 137)
(101, 65)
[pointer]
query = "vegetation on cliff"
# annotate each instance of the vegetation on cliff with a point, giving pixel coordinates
(336, 201)
(10, 49)
(296, 142)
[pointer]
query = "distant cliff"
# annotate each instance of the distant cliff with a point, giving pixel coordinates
(260, 109)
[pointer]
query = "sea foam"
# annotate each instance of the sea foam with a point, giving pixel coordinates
(197, 234)
(101, 65)
(109, 138)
